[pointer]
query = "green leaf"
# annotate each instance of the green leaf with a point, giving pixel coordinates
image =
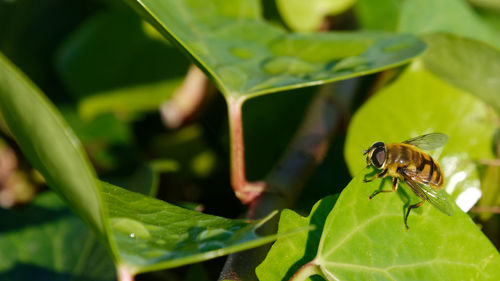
(141, 233)
(491, 17)
(306, 16)
(493, 5)
(419, 103)
(288, 254)
(450, 16)
(45, 241)
(117, 63)
(105, 138)
(37, 126)
(144, 179)
(464, 63)
(246, 56)
(491, 190)
(378, 15)
(366, 239)
(149, 234)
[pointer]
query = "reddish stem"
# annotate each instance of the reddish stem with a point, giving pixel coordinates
(188, 100)
(124, 274)
(245, 191)
(288, 177)
(486, 209)
(307, 270)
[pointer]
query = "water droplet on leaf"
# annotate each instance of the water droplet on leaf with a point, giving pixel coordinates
(156, 253)
(210, 246)
(287, 65)
(219, 234)
(130, 227)
(398, 46)
(351, 64)
(241, 53)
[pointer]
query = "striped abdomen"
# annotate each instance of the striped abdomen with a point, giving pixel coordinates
(414, 164)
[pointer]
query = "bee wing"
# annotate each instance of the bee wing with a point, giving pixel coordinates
(438, 198)
(429, 141)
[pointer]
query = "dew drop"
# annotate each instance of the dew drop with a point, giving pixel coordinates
(130, 227)
(287, 65)
(398, 46)
(351, 64)
(210, 246)
(156, 253)
(241, 53)
(219, 234)
(232, 75)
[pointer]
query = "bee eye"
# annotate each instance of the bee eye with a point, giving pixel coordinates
(378, 157)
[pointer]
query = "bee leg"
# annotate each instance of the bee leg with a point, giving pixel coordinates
(394, 188)
(409, 209)
(381, 174)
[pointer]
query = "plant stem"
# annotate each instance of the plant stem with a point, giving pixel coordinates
(184, 106)
(245, 191)
(305, 271)
(124, 274)
(486, 209)
(490, 162)
(290, 174)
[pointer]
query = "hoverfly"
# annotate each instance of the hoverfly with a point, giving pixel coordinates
(406, 161)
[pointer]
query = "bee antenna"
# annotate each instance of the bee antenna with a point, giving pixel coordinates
(365, 152)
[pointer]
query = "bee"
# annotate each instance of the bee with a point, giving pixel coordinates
(407, 162)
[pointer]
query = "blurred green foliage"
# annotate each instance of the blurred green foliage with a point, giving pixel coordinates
(109, 65)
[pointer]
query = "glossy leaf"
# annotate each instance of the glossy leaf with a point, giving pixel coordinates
(468, 64)
(150, 234)
(378, 15)
(450, 16)
(246, 57)
(117, 63)
(45, 241)
(296, 250)
(366, 239)
(306, 16)
(419, 103)
(141, 233)
(36, 125)
(370, 241)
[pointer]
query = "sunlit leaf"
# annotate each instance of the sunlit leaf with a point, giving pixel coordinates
(419, 103)
(450, 16)
(468, 64)
(45, 241)
(378, 15)
(246, 56)
(366, 239)
(294, 251)
(306, 16)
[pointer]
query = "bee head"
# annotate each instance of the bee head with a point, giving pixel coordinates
(375, 155)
